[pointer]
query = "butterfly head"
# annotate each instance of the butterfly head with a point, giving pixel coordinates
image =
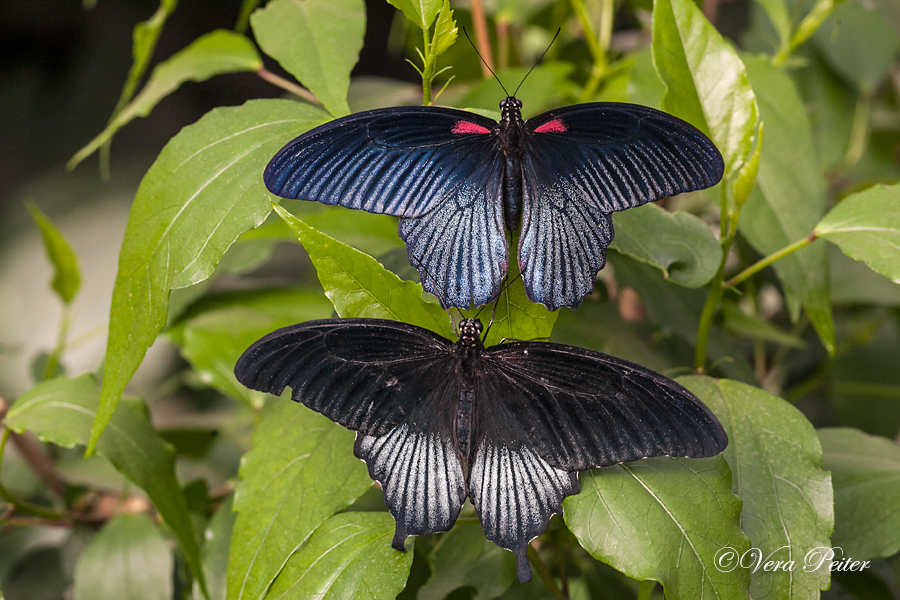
(470, 332)
(511, 109)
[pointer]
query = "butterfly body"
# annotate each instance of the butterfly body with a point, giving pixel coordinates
(506, 426)
(459, 180)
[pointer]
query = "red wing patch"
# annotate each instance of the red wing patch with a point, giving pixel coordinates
(469, 127)
(552, 126)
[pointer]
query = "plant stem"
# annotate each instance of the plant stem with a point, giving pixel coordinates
(544, 574)
(481, 37)
(427, 68)
(20, 505)
(645, 589)
(765, 262)
(807, 27)
(53, 361)
(247, 8)
(598, 45)
(859, 131)
(288, 86)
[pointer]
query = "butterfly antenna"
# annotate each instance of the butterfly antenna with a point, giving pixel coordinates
(466, 33)
(537, 62)
(494, 311)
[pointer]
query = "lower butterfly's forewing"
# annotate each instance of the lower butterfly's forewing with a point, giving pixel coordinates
(616, 156)
(514, 490)
(397, 161)
(365, 374)
(417, 463)
(562, 245)
(583, 409)
(460, 246)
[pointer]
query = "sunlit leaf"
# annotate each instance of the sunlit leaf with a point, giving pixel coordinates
(299, 471)
(317, 41)
(348, 557)
(358, 286)
(204, 190)
(66, 276)
(706, 81)
(866, 226)
(663, 519)
(421, 12)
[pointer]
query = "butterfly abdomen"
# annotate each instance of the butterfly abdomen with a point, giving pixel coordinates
(464, 422)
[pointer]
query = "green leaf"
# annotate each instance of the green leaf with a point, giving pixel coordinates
(789, 197)
(852, 282)
(663, 519)
(316, 41)
(128, 559)
(373, 234)
(743, 184)
(61, 411)
(858, 43)
(866, 226)
(215, 340)
(776, 460)
(445, 32)
(299, 471)
(514, 316)
(214, 554)
(358, 286)
(679, 244)
(203, 191)
(421, 12)
(754, 327)
(215, 53)
(463, 558)
(777, 11)
(66, 276)
(706, 82)
(865, 470)
(348, 557)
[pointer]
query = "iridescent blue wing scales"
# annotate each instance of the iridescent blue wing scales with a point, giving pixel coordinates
(397, 161)
(460, 246)
(585, 161)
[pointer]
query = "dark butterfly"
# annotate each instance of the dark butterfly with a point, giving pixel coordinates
(456, 178)
(507, 426)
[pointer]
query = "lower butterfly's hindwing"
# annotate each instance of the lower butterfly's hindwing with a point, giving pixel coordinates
(460, 246)
(562, 245)
(583, 409)
(417, 464)
(395, 161)
(514, 490)
(365, 374)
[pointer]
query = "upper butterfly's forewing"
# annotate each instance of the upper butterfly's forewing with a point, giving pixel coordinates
(583, 162)
(615, 156)
(581, 409)
(366, 374)
(460, 246)
(397, 161)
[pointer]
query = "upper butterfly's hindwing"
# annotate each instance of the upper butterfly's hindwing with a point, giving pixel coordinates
(614, 156)
(583, 409)
(397, 161)
(513, 489)
(563, 241)
(365, 374)
(460, 246)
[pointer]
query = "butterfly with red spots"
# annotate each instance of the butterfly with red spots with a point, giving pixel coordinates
(459, 180)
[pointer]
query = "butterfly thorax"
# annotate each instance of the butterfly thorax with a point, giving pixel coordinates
(468, 350)
(512, 144)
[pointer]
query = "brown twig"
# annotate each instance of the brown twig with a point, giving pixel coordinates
(37, 459)
(288, 86)
(481, 37)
